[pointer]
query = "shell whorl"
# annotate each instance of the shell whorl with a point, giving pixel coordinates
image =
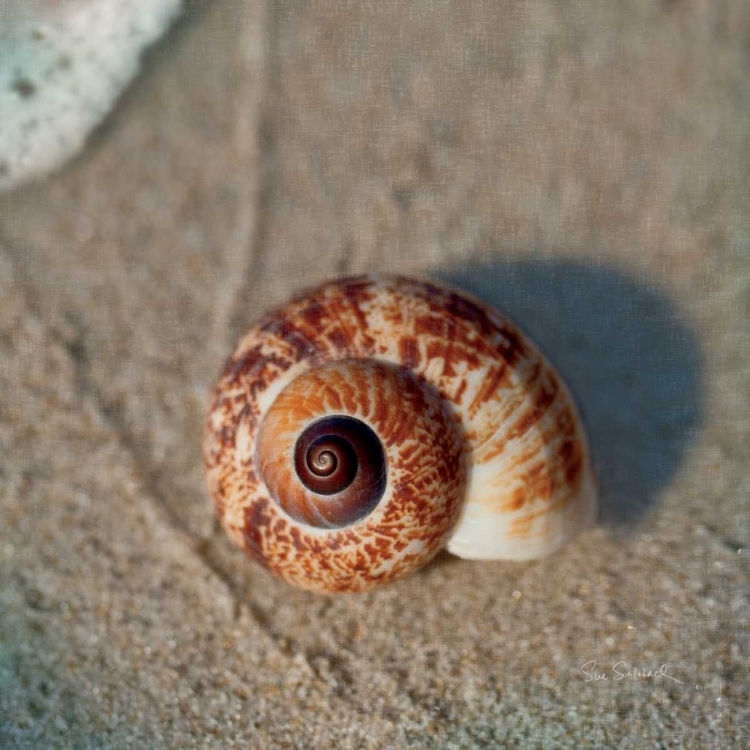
(483, 447)
(387, 439)
(387, 517)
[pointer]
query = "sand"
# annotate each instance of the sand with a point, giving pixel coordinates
(585, 169)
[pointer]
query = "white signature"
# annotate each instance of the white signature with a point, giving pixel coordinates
(621, 671)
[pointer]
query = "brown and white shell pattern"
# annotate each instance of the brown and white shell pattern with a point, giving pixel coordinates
(504, 470)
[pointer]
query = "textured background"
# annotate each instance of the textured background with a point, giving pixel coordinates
(585, 167)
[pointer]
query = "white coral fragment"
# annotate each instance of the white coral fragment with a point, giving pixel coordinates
(63, 64)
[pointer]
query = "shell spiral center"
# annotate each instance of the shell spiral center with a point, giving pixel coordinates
(340, 453)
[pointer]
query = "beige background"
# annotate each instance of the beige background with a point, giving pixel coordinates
(583, 166)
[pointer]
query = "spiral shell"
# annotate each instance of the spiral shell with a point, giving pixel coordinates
(372, 421)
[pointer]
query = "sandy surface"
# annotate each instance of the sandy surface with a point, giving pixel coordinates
(586, 169)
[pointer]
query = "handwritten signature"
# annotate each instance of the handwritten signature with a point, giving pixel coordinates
(621, 671)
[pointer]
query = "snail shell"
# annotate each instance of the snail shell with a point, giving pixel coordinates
(372, 421)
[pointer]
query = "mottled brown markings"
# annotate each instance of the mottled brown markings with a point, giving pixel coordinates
(394, 316)
(464, 309)
(542, 397)
(448, 362)
(521, 459)
(389, 531)
(398, 427)
(302, 345)
(318, 320)
(365, 400)
(313, 313)
(408, 349)
(572, 460)
(351, 537)
(380, 412)
(459, 393)
(358, 289)
(452, 355)
(335, 400)
(529, 419)
(429, 325)
(547, 394)
(521, 527)
(226, 435)
(337, 340)
(358, 284)
(257, 519)
(237, 369)
(497, 379)
(358, 292)
(347, 394)
(512, 346)
(517, 500)
(333, 542)
(567, 452)
(408, 453)
(338, 331)
(297, 540)
(541, 487)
